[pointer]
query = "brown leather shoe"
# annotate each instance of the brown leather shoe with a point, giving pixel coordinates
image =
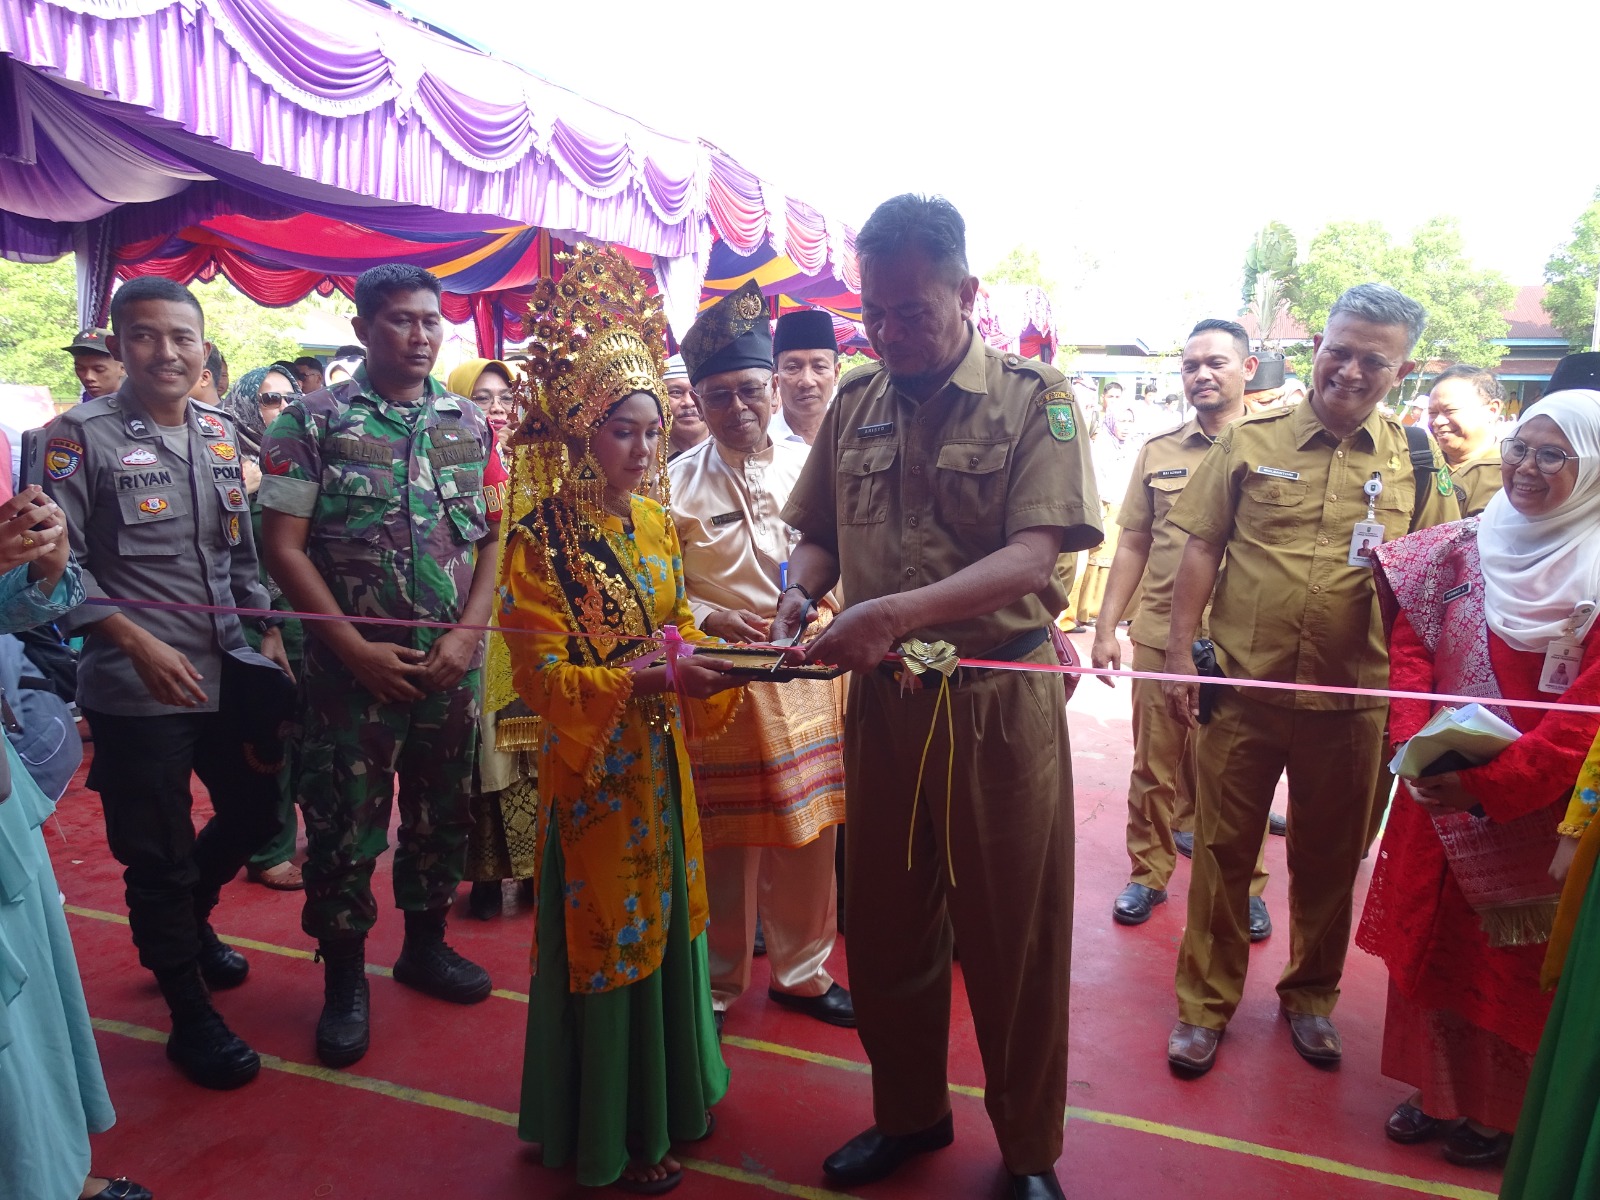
(1193, 1048)
(1315, 1039)
(285, 877)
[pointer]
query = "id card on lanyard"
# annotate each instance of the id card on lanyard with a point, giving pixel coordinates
(1367, 535)
(1563, 658)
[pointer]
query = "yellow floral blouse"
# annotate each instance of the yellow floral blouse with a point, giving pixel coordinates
(604, 755)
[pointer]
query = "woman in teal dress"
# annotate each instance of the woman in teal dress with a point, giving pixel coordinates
(52, 1092)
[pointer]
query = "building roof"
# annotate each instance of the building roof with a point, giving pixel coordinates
(1527, 315)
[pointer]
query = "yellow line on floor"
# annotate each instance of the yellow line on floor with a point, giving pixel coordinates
(1329, 1166)
(1197, 1137)
(465, 1108)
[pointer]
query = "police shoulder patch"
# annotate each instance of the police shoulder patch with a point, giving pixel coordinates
(62, 458)
(1059, 415)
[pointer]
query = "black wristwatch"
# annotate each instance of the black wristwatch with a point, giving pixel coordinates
(264, 624)
(795, 587)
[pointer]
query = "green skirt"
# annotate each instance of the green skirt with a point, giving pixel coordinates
(618, 1076)
(1556, 1152)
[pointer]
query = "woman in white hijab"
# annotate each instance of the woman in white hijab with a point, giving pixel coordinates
(1462, 899)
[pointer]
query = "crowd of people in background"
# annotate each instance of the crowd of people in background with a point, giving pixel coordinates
(628, 524)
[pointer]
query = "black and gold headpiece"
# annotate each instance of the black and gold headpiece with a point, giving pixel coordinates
(734, 334)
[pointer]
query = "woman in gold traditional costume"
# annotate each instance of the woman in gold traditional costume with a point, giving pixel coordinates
(622, 1054)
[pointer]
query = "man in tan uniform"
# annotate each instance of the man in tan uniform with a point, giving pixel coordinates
(1464, 416)
(942, 486)
(1216, 365)
(1282, 494)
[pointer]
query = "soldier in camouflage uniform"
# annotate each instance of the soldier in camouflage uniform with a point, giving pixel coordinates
(373, 507)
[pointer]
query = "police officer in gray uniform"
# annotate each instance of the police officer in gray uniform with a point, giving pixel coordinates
(151, 485)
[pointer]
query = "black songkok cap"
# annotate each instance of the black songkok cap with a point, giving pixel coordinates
(804, 330)
(1269, 372)
(1576, 372)
(732, 335)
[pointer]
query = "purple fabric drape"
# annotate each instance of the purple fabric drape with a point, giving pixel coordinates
(338, 104)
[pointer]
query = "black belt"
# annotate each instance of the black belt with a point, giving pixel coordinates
(1015, 650)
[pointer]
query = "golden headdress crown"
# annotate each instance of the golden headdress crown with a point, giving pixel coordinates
(598, 336)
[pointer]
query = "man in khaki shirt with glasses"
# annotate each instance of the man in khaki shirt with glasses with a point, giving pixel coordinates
(1285, 495)
(940, 490)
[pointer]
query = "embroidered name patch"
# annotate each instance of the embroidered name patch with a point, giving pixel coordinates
(62, 458)
(1277, 473)
(727, 518)
(881, 430)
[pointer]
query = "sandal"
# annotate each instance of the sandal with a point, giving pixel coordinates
(650, 1187)
(285, 877)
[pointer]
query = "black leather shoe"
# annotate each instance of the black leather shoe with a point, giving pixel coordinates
(1466, 1147)
(834, 1006)
(221, 966)
(1133, 906)
(344, 1030)
(1408, 1125)
(1184, 844)
(209, 1053)
(871, 1156)
(1044, 1186)
(433, 968)
(1277, 825)
(123, 1188)
(1260, 920)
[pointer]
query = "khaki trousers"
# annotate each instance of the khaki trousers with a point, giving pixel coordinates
(1006, 830)
(1382, 791)
(1240, 756)
(1162, 784)
(793, 886)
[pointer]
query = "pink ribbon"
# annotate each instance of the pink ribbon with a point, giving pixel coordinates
(676, 646)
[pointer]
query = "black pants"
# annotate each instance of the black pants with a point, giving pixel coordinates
(141, 770)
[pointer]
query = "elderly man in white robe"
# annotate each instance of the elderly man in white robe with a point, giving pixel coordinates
(771, 788)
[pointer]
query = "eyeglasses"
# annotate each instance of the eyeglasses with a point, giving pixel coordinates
(1371, 364)
(750, 395)
(275, 397)
(1548, 459)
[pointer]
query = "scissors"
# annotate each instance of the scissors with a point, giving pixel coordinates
(794, 640)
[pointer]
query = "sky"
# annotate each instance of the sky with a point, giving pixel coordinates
(1136, 144)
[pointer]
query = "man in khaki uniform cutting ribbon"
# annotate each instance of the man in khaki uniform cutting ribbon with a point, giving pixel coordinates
(941, 488)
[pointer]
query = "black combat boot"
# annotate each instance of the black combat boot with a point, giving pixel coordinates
(430, 966)
(221, 966)
(345, 1027)
(201, 1045)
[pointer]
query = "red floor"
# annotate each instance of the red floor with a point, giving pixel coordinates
(430, 1111)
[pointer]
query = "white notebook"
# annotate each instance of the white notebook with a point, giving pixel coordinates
(1472, 731)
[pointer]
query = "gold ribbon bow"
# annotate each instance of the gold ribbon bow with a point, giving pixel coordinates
(920, 657)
